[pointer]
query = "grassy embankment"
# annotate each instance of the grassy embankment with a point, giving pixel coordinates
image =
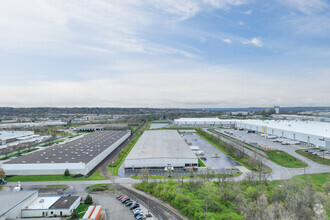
(35, 178)
(279, 157)
(81, 209)
(313, 157)
(100, 187)
(120, 158)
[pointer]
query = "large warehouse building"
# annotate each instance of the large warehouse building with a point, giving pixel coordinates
(309, 132)
(182, 122)
(10, 136)
(78, 156)
(161, 148)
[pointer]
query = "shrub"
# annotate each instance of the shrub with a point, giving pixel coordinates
(88, 200)
(66, 172)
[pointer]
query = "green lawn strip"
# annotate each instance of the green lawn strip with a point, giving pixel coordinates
(124, 152)
(240, 161)
(319, 178)
(81, 209)
(201, 163)
(97, 175)
(56, 186)
(284, 159)
(188, 176)
(100, 187)
(313, 157)
(0, 188)
(36, 178)
(20, 153)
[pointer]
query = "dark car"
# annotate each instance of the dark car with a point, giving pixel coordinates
(134, 205)
(117, 197)
(129, 203)
(124, 200)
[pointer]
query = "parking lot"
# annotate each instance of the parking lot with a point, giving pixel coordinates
(214, 157)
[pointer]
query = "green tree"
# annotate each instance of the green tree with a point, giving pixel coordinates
(66, 172)
(74, 214)
(88, 200)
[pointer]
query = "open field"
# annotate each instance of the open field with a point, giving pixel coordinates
(314, 158)
(284, 159)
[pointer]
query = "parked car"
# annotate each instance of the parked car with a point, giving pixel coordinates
(129, 203)
(137, 210)
(2, 181)
(134, 206)
(139, 216)
(138, 213)
(148, 215)
(117, 197)
(120, 197)
(124, 200)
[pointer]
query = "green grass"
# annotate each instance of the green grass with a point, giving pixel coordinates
(284, 159)
(16, 154)
(314, 158)
(201, 163)
(81, 209)
(56, 186)
(0, 188)
(318, 179)
(101, 185)
(36, 178)
(186, 176)
(125, 151)
(97, 175)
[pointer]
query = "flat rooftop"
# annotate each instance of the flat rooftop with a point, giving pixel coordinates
(5, 134)
(306, 127)
(199, 119)
(160, 144)
(9, 199)
(64, 202)
(42, 202)
(82, 150)
(100, 126)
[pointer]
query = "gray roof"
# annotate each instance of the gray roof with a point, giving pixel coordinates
(64, 202)
(160, 144)
(9, 199)
(100, 126)
(81, 150)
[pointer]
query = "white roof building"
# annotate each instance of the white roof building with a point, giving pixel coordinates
(160, 148)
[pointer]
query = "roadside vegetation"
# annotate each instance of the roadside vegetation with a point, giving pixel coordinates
(248, 199)
(254, 164)
(313, 157)
(100, 187)
(36, 178)
(279, 157)
(120, 157)
(97, 175)
(18, 154)
(201, 163)
(284, 159)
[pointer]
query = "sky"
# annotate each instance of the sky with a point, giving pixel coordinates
(164, 53)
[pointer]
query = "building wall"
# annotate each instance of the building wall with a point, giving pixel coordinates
(15, 212)
(43, 168)
(159, 162)
(306, 138)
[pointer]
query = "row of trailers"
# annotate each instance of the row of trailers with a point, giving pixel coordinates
(93, 213)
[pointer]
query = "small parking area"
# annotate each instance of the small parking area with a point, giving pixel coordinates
(215, 159)
(319, 152)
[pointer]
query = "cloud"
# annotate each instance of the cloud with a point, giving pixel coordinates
(226, 40)
(255, 41)
(307, 6)
(241, 23)
(248, 12)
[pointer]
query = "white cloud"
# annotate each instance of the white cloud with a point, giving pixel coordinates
(241, 23)
(248, 12)
(307, 6)
(255, 41)
(226, 40)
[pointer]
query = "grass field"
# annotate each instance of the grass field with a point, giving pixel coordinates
(81, 209)
(318, 179)
(201, 163)
(187, 176)
(97, 175)
(314, 158)
(36, 178)
(284, 159)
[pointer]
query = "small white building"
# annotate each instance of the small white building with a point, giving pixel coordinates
(193, 122)
(54, 206)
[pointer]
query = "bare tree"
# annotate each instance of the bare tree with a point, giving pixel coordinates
(224, 175)
(144, 173)
(2, 173)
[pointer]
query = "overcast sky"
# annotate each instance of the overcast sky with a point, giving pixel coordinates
(164, 53)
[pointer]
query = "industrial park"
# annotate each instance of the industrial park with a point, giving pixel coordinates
(165, 110)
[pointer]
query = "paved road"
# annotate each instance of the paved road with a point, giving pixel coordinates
(279, 172)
